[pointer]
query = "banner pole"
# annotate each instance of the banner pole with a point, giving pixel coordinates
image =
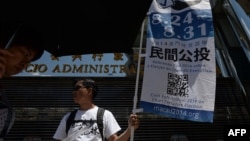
(137, 79)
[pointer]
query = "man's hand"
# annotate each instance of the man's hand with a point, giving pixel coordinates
(3, 54)
(133, 121)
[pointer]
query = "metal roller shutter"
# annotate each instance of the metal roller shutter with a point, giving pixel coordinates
(41, 102)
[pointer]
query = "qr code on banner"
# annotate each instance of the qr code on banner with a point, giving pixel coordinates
(177, 85)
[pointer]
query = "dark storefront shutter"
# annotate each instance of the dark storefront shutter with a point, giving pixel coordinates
(41, 102)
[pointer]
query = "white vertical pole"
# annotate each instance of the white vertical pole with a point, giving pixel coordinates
(137, 78)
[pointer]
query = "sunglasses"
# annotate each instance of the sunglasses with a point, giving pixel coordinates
(77, 88)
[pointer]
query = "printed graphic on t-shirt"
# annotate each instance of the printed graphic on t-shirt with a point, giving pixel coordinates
(89, 126)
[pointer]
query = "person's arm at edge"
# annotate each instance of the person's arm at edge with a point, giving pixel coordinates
(3, 53)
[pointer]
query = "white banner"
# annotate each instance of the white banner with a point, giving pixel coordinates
(180, 69)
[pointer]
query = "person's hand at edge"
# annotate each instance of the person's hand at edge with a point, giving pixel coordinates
(3, 54)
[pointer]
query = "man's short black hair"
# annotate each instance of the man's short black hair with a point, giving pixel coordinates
(24, 34)
(88, 83)
(30, 37)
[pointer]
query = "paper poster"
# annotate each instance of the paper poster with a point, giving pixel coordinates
(180, 68)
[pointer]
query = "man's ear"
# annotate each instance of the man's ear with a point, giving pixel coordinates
(90, 90)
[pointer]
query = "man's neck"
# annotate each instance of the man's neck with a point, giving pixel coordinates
(87, 106)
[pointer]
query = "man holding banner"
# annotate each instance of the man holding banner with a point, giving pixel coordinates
(84, 126)
(181, 56)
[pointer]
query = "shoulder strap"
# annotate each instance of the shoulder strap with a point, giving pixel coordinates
(4, 104)
(100, 114)
(6, 124)
(70, 120)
